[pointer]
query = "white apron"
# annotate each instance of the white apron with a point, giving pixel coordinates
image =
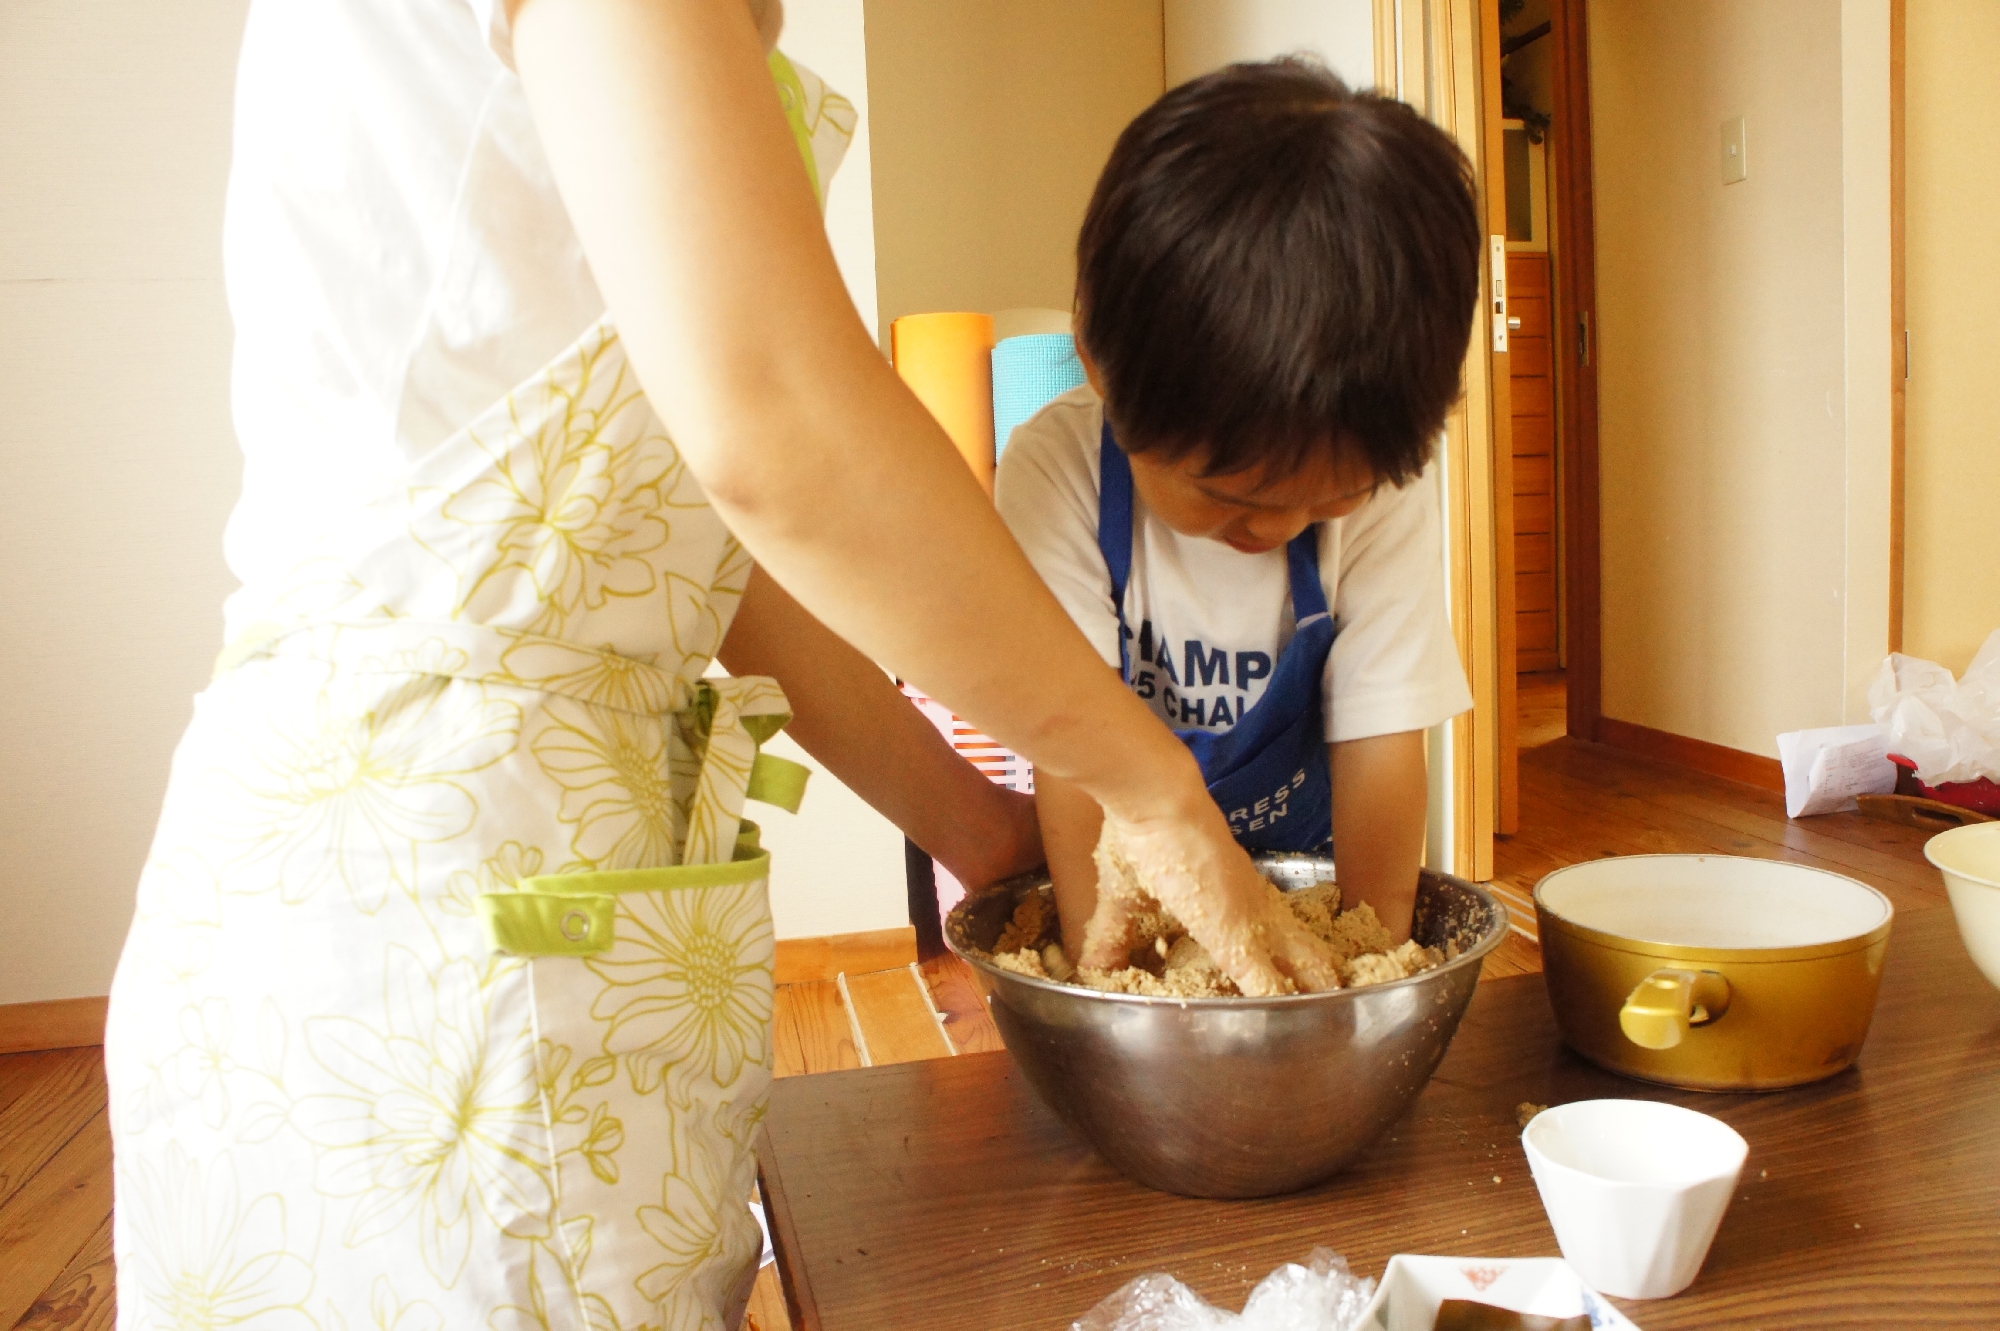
(447, 1003)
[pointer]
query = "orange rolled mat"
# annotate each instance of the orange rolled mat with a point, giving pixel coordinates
(947, 360)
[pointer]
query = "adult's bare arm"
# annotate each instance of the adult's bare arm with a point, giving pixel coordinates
(684, 183)
(847, 714)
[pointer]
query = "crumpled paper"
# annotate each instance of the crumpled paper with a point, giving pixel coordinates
(1321, 1295)
(1949, 728)
(1827, 767)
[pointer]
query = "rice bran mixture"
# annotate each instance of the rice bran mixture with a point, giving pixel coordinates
(1168, 963)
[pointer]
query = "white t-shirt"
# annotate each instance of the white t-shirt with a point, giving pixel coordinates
(395, 254)
(1210, 621)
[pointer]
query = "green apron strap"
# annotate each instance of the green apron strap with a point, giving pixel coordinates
(792, 96)
(537, 924)
(779, 781)
(574, 914)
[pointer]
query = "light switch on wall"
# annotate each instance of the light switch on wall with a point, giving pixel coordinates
(1735, 153)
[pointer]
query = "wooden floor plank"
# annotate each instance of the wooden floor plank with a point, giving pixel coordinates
(788, 1055)
(1842, 854)
(1838, 854)
(1520, 865)
(1855, 842)
(1519, 901)
(812, 1032)
(1657, 779)
(18, 1072)
(82, 1297)
(53, 1215)
(1542, 703)
(1573, 831)
(804, 959)
(1574, 820)
(957, 996)
(1631, 815)
(46, 1115)
(896, 1018)
(1651, 827)
(767, 1303)
(1515, 956)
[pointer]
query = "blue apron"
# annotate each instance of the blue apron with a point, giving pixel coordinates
(1269, 771)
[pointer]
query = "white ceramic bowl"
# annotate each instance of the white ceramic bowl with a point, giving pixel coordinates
(1969, 858)
(1635, 1190)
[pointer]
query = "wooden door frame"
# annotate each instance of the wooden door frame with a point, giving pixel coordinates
(1507, 718)
(1573, 339)
(1435, 51)
(1899, 323)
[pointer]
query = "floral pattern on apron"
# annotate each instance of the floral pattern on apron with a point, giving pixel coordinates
(447, 1000)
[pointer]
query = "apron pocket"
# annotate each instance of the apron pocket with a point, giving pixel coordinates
(652, 999)
(574, 914)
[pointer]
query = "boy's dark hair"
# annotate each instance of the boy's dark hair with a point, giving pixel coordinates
(1273, 266)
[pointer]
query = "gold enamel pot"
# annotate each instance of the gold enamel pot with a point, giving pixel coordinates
(1712, 972)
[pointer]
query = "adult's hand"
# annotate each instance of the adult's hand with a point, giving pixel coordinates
(1211, 887)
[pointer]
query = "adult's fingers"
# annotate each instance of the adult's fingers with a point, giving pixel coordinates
(1107, 939)
(1304, 958)
(1262, 946)
(1209, 884)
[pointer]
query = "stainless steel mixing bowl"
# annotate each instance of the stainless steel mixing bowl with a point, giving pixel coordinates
(1234, 1097)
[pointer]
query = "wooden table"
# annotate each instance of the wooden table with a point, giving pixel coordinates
(942, 1194)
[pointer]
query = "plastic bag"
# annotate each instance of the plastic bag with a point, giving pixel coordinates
(1322, 1295)
(1949, 728)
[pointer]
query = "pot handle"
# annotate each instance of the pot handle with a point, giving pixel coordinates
(1659, 1012)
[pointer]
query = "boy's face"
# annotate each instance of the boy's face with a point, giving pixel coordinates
(1251, 511)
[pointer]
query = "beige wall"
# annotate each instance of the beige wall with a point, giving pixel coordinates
(117, 447)
(827, 36)
(1952, 577)
(837, 865)
(1723, 394)
(1874, 348)
(992, 120)
(1206, 34)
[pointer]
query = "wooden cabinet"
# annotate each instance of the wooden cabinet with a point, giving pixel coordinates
(1536, 597)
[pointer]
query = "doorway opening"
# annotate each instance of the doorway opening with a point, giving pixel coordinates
(1546, 170)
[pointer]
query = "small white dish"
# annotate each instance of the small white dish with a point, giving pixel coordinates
(1969, 859)
(1413, 1288)
(1634, 1189)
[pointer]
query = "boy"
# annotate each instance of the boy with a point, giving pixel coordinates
(1275, 286)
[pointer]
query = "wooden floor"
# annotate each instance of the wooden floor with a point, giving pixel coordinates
(1578, 802)
(55, 1192)
(1542, 706)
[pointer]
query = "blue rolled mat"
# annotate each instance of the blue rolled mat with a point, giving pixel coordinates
(1028, 372)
